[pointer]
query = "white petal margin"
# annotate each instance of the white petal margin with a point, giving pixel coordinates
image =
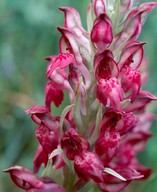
(114, 173)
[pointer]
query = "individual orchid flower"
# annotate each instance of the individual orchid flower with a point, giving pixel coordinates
(41, 115)
(109, 93)
(73, 143)
(106, 71)
(25, 179)
(69, 42)
(120, 122)
(58, 78)
(47, 134)
(131, 80)
(89, 166)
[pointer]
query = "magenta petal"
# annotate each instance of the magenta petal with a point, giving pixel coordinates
(129, 173)
(37, 113)
(88, 165)
(128, 122)
(113, 184)
(146, 172)
(47, 138)
(40, 158)
(73, 143)
(104, 65)
(36, 109)
(132, 55)
(40, 115)
(118, 121)
(131, 80)
(101, 33)
(71, 43)
(113, 187)
(142, 99)
(107, 145)
(62, 60)
(146, 95)
(109, 93)
(126, 155)
(53, 94)
(23, 177)
(110, 120)
(50, 60)
(59, 77)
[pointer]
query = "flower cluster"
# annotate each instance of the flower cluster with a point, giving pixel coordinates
(99, 134)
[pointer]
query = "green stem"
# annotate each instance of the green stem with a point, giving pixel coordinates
(69, 179)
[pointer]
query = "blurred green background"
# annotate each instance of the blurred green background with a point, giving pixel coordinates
(28, 34)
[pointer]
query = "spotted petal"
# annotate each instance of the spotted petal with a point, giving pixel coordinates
(62, 60)
(109, 93)
(131, 80)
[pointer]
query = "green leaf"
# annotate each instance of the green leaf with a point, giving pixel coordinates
(96, 131)
(47, 172)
